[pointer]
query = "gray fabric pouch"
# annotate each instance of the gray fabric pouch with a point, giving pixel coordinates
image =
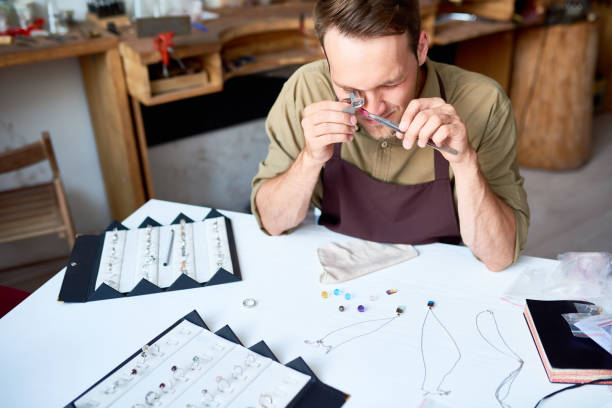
(352, 259)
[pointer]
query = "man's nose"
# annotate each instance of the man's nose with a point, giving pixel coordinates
(374, 103)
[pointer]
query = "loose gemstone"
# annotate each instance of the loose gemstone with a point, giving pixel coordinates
(341, 308)
(195, 359)
(162, 385)
(347, 296)
(337, 292)
(400, 310)
(324, 295)
(361, 308)
(391, 291)
(173, 368)
(134, 371)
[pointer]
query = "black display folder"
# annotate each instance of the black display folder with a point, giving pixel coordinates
(314, 394)
(566, 358)
(82, 269)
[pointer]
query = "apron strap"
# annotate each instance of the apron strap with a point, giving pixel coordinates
(337, 147)
(441, 86)
(440, 163)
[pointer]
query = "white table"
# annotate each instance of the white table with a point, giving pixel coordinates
(51, 351)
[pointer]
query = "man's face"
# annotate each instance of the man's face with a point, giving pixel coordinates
(381, 70)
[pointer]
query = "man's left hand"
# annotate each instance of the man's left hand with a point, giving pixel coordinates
(433, 119)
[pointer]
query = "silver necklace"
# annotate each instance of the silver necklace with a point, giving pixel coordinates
(438, 390)
(509, 380)
(328, 348)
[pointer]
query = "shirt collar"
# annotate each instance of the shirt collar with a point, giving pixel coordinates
(431, 88)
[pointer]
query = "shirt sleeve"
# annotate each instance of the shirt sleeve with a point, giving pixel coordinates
(284, 129)
(498, 162)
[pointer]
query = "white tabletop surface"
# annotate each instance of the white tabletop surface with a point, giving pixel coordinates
(51, 351)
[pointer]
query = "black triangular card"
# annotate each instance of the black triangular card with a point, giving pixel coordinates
(300, 365)
(116, 224)
(228, 334)
(213, 214)
(262, 349)
(144, 287)
(195, 318)
(317, 394)
(184, 282)
(149, 221)
(180, 217)
(105, 292)
(222, 276)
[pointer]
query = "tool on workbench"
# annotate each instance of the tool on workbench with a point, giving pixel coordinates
(164, 44)
(37, 25)
(357, 106)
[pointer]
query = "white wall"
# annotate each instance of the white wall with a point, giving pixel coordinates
(51, 96)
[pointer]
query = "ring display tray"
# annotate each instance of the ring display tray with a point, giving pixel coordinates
(151, 259)
(189, 366)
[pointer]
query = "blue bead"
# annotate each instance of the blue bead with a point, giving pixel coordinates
(337, 292)
(347, 296)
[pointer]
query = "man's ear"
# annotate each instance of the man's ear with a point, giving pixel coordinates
(422, 48)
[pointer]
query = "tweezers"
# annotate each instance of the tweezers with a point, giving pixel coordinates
(357, 105)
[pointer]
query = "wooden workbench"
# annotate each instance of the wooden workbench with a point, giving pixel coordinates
(108, 106)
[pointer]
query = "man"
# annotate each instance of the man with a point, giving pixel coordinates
(376, 184)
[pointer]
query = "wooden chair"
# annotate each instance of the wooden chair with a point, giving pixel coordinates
(34, 210)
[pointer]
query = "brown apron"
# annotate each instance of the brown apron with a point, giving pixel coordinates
(358, 205)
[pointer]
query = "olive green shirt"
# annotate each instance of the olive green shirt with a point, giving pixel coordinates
(479, 101)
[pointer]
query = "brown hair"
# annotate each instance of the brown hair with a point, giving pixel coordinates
(369, 18)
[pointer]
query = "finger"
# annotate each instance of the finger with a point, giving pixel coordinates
(414, 129)
(442, 135)
(328, 127)
(428, 129)
(417, 105)
(433, 123)
(334, 138)
(324, 105)
(333, 117)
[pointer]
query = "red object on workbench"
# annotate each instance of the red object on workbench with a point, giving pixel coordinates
(36, 25)
(163, 43)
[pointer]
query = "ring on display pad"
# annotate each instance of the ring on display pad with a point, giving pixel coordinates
(249, 303)
(265, 401)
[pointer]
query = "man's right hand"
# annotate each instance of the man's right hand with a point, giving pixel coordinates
(324, 124)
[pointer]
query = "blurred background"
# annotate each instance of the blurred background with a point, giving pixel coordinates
(134, 114)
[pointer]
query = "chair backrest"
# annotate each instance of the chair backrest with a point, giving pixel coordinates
(28, 155)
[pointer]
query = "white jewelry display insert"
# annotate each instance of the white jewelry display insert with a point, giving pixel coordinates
(111, 260)
(193, 367)
(218, 245)
(161, 254)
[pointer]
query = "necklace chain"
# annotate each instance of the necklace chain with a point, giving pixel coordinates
(438, 390)
(509, 380)
(328, 348)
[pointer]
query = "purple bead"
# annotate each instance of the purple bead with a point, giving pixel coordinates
(361, 308)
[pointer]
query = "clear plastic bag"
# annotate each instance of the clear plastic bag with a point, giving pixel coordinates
(599, 329)
(579, 276)
(582, 312)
